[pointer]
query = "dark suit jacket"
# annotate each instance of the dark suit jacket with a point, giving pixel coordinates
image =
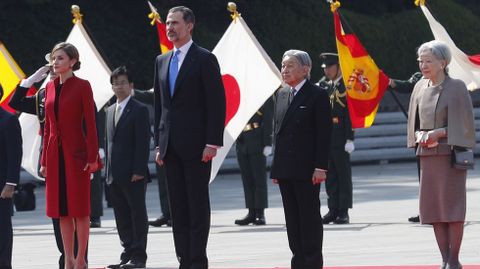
(10, 148)
(301, 133)
(195, 115)
(128, 144)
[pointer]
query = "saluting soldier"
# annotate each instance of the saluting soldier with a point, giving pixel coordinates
(339, 175)
(253, 146)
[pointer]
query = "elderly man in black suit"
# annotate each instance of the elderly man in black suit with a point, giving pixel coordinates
(128, 149)
(10, 160)
(302, 128)
(189, 124)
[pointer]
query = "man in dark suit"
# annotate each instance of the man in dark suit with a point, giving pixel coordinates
(302, 127)
(253, 146)
(189, 123)
(339, 177)
(10, 160)
(128, 141)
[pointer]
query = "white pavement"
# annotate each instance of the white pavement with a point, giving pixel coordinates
(385, 195)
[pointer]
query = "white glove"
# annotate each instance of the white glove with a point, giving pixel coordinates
(349, 146)
(40, 74)
(267, 151)
(101, 153)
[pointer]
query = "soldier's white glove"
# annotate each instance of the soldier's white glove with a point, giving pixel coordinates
(101, 153)
(349, 146)
(40, 74)
(267, 151)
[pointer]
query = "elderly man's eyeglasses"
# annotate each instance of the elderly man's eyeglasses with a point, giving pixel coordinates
(120, 83)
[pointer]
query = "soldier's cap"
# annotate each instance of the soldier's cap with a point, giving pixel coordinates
(328, 59)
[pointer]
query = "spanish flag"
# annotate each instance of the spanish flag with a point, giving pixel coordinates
(364, 82)
(10, 76)
(165, 44)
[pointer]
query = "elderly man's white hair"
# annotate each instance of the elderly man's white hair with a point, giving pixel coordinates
(302, 57)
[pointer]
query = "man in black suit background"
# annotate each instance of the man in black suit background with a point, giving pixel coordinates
(10, 160)
(302, 129)
(189, 124)
(128, 149)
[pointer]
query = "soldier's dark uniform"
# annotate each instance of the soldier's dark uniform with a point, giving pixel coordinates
(339, 175)
(256, 135)
(406, 86)
(98, 180)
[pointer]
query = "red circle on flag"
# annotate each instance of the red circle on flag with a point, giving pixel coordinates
(232, 95)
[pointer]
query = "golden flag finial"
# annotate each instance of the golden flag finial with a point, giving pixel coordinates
(232, 7)
(77, 16)
(419, 3)
(334, 5)
(154, 16)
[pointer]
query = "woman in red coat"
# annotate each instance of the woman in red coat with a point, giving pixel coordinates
(69, 151)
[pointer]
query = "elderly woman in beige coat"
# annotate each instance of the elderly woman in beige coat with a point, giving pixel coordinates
(441, 116)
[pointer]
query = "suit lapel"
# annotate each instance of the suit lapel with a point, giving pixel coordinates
(111, 121)
(186, 65)
(297, 100)
(282, 104)
(164, 67)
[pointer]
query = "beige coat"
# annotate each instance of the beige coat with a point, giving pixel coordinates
(447, 105)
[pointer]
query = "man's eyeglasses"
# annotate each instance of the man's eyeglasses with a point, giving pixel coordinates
(121, 83)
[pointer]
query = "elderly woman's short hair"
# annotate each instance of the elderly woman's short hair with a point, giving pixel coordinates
(302, 57)
(438, 49)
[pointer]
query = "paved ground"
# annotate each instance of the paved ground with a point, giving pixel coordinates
(385, 195)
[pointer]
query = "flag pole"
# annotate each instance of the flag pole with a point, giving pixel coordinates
(395, 97)
(154, 15)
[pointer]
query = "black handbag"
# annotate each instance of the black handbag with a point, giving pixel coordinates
(462, 158)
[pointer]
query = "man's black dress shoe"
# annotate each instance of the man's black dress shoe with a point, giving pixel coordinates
(133, 264)
(95, 223)
(160, 222)
(329, 217)
(414, 219)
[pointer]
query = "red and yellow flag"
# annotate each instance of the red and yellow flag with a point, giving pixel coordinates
(364, 82)
(10, 76)
(165, 44)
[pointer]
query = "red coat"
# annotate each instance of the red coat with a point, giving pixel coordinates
(76, 105)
